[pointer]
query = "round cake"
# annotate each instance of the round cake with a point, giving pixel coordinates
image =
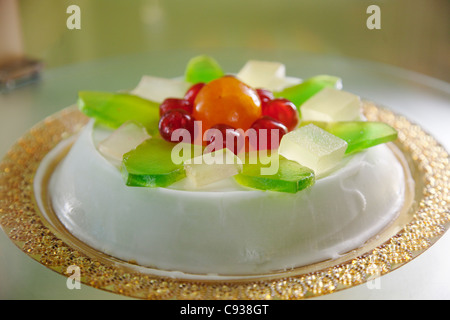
(225, 227)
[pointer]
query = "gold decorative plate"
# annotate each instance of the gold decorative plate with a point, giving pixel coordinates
(416, 229)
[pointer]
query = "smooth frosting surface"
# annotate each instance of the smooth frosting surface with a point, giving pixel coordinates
(225, 229)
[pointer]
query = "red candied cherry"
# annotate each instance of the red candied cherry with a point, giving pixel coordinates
(192, 92)
(175, 103)
(176, 119)
(265, 96)
(283, 111)
(264, 127)
(222, 136)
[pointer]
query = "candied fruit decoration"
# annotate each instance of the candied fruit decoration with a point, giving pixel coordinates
(290, 177)
(114, 109)
(127, 137)
(229, 101)
(212, 167)
(359, 135)
(283, 111)
(332, 105)
(265, 96)
(175, 103)
(301, 92)
(151, 165)
(268, 134)
(158, 89)
(263, 74)
(224, 136)
(202, 69)
(313, 147)
(193, 91)
(174, 120)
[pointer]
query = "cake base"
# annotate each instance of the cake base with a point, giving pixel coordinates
(227, 233)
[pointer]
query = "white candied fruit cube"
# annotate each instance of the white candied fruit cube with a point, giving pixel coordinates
(158, 89)
(212, 167)
(124, 139)
(265, 74)
(330, 104)
(313, 147)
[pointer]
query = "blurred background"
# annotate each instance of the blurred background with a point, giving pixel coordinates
(414, 34)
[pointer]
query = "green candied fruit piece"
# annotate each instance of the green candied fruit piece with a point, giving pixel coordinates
(202, 69)
(359, 135)
(114, 109)
(362, 135)
(151, 165)
(301, 92)
(290, 177)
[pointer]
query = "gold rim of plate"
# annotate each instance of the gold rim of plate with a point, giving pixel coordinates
(414, 231)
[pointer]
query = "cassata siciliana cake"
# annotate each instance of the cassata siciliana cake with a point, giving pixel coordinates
(228, 174)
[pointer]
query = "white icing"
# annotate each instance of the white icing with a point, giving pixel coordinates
(225, 229)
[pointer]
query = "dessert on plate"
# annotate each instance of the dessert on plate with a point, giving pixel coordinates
(228, 174)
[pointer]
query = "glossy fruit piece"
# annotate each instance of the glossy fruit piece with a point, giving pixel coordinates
(299, 93)
(151, 165)
(229, 101)
(362, 135)
(126, 138)
(176, 120)
(264, 74)
(332, 105)
(202, 69)
(266, 134)
(313, 147)
(289, 177)
(283, 111)
(157, 89)
(359, 135)
(212, 167)
(224, 136)
(114, 109)
(265, 96)
(193, 91)
(175, 103)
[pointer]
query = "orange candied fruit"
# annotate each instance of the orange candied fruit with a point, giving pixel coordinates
(229, 101)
